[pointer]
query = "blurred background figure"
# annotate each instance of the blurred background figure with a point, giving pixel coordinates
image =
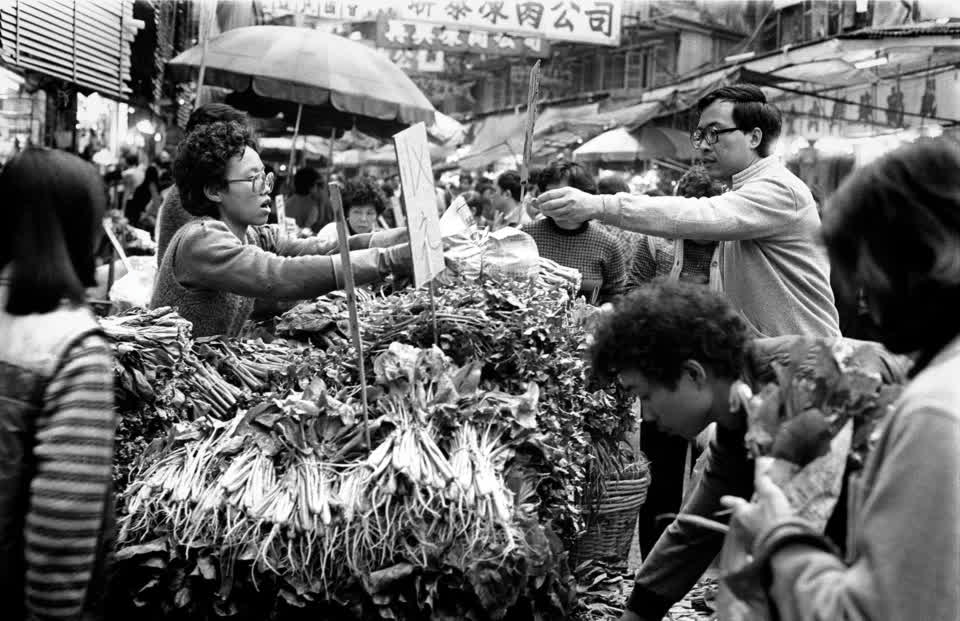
(303, 206)
(363, 204)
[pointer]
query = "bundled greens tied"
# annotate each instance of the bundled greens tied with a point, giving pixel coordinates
(289, 489)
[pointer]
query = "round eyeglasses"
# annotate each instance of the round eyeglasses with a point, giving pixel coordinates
(709, 135)
(260, 183)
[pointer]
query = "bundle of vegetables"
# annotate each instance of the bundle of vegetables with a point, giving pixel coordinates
(820, 394)
(425, 525)
(164, 377)
(250, 364)
(523, 333)
(806, 430)
(147, 345)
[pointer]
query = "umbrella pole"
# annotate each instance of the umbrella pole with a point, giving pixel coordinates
(333, 138)
(293, 146)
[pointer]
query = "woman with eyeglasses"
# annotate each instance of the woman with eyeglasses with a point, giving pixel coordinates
(217, 265)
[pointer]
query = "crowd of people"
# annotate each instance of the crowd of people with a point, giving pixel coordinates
(699, 290)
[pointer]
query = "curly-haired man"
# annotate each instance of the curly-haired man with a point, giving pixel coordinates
(219, 263)
(679, 348)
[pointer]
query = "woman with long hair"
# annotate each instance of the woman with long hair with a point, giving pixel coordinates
(57, 421)
(892, 228)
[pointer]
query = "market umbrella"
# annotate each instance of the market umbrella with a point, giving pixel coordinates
(620, 145)
(332, 79)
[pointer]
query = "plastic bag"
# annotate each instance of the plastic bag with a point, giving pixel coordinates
(813, 492)
(507, 254)
(135, 288)
(510, 254)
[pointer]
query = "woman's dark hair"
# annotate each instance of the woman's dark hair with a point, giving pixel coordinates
(510, 181)
(304, 180)
(213, 113)
(612, 184)
(362, 191)
(567, 172)
(151, 175)
(697, 183)
(893, 227)
(478, 204)
(657, 327)
(202, 161)
(52, 206)
(750, 110)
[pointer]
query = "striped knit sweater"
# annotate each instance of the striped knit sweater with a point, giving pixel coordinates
(57, 428)
(74, 453)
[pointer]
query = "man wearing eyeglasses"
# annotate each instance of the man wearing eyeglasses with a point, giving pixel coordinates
(772, 268)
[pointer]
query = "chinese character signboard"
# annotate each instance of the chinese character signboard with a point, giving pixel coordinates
(396, 34)
(416, 61)
(325, 9)
(419, 195)
(581, 21)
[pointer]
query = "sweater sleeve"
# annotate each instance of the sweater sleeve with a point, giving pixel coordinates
(759, 209)
(684, 550)
(906, 555)
(614, 271)
(269, 238)
(210, 257)
(643, 267)
(68, 493)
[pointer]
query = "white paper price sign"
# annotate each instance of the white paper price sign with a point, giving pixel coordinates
(419, 195)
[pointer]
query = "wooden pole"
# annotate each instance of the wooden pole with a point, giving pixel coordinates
(348, 286)
(293, 146)
(205, 24)
(533, 93)
(333, 140)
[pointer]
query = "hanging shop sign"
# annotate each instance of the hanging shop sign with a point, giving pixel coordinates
(580, 21)
(894, 103)
(446, 38)
(324, 9)
(416, 61)
(438, 89)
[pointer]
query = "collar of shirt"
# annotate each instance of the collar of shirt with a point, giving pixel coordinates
(757, 169)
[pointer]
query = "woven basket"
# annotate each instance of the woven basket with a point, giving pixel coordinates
(611, 521)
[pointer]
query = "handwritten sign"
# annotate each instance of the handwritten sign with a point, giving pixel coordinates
(419, 195)
(400, 34)
(582, 21)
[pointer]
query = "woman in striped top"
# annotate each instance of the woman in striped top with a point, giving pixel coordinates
(57, 421)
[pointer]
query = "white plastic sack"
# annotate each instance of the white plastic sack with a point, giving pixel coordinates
(135, 288)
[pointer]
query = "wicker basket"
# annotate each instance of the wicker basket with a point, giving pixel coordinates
(611, 522)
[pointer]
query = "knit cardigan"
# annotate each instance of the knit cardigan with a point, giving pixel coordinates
(211, 278)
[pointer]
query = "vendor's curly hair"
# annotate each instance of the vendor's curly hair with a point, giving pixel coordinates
(202, 160)
(659, 326)
(363, 191)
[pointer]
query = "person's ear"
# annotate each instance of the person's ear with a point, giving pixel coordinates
(756, 137)
(696, 371)
(212, 193)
